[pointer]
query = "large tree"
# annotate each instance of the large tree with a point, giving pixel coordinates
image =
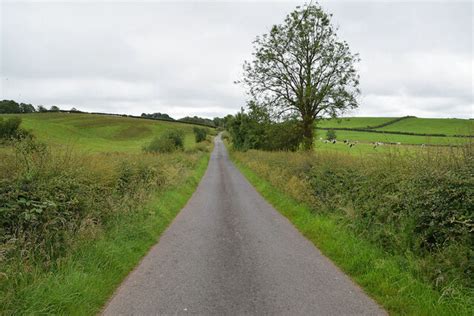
(302, 68)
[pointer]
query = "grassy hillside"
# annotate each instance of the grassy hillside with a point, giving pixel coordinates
(354, 122)
(98, 133)
(432, 126)
(409, 124)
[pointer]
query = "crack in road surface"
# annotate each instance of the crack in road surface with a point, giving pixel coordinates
(229, 252)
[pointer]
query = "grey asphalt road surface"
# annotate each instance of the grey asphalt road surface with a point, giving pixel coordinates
(229, 252)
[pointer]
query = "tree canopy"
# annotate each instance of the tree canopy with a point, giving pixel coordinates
(10, 106)
(301, 68)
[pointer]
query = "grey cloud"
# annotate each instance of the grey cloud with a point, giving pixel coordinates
(182, 57)
(401, 105)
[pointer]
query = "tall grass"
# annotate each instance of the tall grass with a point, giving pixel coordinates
(417, 208)
(56, 204)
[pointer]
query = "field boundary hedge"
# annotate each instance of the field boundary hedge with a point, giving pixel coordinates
(391, 122)
(390, 226)
(103, 250)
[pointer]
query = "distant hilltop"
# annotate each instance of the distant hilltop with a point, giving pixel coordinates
(13, 107)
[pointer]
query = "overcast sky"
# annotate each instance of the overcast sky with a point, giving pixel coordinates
(182, 57)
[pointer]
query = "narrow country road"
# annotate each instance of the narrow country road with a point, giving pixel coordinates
(229, 252)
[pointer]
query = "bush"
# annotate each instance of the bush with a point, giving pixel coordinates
(331, 134)
(256, 131)
(200, 134)
(10, 129)
(167, 142)
(286, 136)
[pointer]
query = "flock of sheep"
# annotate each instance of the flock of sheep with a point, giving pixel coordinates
(353, 143)
(333, 141)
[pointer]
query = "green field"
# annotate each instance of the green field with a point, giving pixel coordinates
(409, 125)
(98, 133)
(448, 127)
(368, 137)
(108, 133)
(433, 126)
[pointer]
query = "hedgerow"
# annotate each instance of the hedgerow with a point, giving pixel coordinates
(420, 206)
(50, 199)
(398, 119)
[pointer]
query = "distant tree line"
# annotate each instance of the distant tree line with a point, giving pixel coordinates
(158, 116)
(10, 106)
(198, 120)
(215, 122)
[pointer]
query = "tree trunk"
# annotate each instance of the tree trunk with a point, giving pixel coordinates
(308, 132)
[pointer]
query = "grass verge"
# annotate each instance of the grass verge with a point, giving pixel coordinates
(84, 280)
(384, 277)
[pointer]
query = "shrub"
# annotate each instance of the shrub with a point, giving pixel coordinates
(160, 145)
(10, 129)
(256, 131)
(331, 134)
(286, 136)
(200, 134)
(167, 142)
